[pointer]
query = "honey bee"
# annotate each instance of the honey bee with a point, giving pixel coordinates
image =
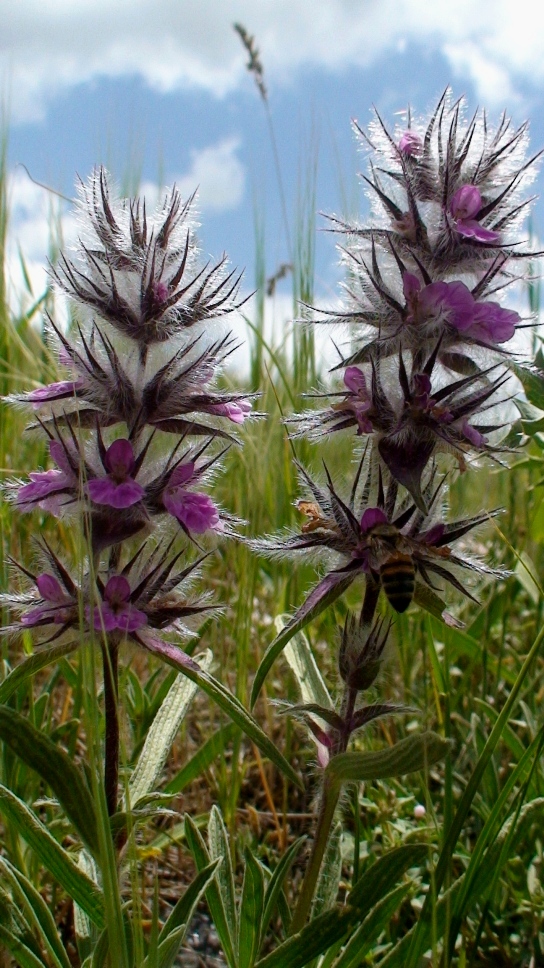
(398, 578)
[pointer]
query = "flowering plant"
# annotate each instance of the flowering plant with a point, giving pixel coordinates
(422, 380)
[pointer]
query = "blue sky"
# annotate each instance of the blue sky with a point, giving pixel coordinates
(157, 90)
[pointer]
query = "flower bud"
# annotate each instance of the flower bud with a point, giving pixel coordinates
(361, 652)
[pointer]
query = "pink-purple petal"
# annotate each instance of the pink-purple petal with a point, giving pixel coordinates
(119, 458)
(195, 511)
(182, 474)
(50, 589)
(372, 517)
(466, 202)
(106, 491)
(354, 379)
(411, 144)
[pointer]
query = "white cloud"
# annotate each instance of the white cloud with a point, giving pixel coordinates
(38, 222)
(51, 45)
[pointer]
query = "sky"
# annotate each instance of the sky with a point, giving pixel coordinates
(159, 92)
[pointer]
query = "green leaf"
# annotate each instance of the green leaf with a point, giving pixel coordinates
(227, 702)
(433, 604)
(328, 882)
(162, 733)
(276, 881)
(408, 756)
(25, 958)
(304, 667)
(532, 383)
(32, 665)
(251, 913)
(53, 857)
(469, 793)
(325, 596)
(526, 573)
(38, 913)
(201, 858)
(183, 910)
(219, 847)
(360, 943)
(82, 925)
(56, 768)
(167, 950)
(319, 935)
(202, 759)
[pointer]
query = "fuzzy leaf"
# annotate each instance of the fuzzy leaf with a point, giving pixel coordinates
(162, 733)
(36, 750)
(304, 667)
(202, 860)
(53, 857)
(408, 756)
(251, 912)
(225, 700)
(324, 594)
(219, 847)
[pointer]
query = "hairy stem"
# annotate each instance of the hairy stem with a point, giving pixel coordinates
(329, 798)
(331, 791)
(110, 658)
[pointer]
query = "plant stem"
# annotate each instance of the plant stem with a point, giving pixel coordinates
(110, 657)
(329, 798)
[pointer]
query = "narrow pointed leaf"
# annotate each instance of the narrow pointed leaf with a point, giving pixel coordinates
(226, 701)
(304, 667)
(202, 860)
(219, 847)
(53, 857)
(183, 910)
(162, 734)
(251, 912)
(25, 958)
(167, 950)
(367, 933)
(33, 664)
(55, 767)
(408, 756)
(329, 928)
(323, 595)
(276, 881)
(432, 603)
(38, 913)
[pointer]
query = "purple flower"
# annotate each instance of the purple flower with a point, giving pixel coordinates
(450, 302)
(195, 512)
(58, 604)
(116, 610)
(492, 324)
(118, 489)
(464, 207)
(411, 144)
(47, 487)
(237, 411)
(358, 400)
(54, 391)
(371, 517)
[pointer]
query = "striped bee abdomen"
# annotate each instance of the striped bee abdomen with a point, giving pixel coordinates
(398, 579)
